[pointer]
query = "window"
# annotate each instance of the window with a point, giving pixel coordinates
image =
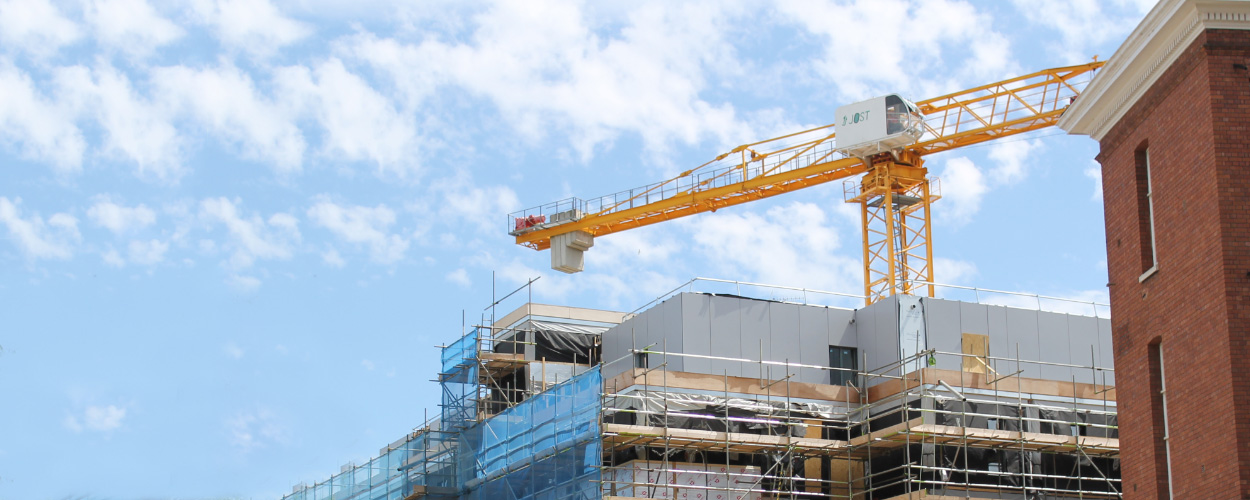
(843, 357)
(1146, 214)
(977, 348)
(640, 360)
(1159, 408)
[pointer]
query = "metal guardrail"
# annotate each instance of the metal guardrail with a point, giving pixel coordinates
(806, 296)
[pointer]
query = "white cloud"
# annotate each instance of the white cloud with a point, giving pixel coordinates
(332, 258)
(548, 71)
(53, 239)
(362, 226)
(112, 258)
(459, 277)
(1094, 173)
(792, 245)
(104, 418)
(481, 206)
(360, 123)
(120, 219)
(147, 253)
(251, 237)
(861, 63)
(243, 284)
(963, 187)
(226, 102)
(134, 128)
(1142, 6)
(251, 430)
(1010, 157)
(42, 129)
(367, 364)
(952, 272)
(255, 26)
(233, 350)
(96, 418)
(35, 26)
(1083, 26)
(131, 26)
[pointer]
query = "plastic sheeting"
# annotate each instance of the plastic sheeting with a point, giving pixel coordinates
(706, 412)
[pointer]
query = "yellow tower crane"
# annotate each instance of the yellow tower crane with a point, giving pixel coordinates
(884, 140)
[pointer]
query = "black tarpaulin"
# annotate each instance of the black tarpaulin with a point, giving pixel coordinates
(556, 342)
(984, 416)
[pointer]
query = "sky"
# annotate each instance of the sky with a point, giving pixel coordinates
(232, 231)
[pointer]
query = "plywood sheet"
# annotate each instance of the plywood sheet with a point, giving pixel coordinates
(977, 350)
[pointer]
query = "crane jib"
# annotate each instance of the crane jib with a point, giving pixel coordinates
(885, 140)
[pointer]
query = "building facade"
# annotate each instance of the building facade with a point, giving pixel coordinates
(1171, 113)
(707, 396)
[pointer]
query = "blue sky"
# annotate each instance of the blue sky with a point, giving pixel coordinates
(231, 231)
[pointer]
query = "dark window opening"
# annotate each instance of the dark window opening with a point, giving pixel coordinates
(1159, 417)
(640, 360)
(846, 358)
(1145, 211)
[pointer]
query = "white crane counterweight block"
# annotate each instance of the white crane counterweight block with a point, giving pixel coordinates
(568, 251)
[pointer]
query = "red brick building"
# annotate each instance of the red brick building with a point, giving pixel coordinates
(1171, 113)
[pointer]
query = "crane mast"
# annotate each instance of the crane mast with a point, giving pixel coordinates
(894, 192)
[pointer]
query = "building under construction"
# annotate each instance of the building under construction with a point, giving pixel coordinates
(770, 393)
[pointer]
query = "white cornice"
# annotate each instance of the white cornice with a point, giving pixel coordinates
(1150, 50)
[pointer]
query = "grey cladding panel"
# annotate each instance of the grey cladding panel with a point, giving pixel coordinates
(786, 338)
(866, 332)
(696, 323)
(944, 330)
(641, 334)
(726, 335)
(1000, 344)
(842, 328)
(1106, 356)
(813, 325)
(1053, 338)
(1022, 332)
(884, 334)
(615, 345)
(668, 326)
(755, 336)
(974, 318)
(1083, 345)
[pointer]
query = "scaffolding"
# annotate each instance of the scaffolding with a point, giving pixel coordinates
(515, 426)
(904, 430)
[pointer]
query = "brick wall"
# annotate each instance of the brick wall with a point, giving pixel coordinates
(1194, 122)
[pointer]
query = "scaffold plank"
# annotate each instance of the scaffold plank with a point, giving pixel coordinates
(924, 495)
(916, 431)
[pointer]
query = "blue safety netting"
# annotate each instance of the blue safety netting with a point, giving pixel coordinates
(378, 479)
(459, 382)
(547, 447)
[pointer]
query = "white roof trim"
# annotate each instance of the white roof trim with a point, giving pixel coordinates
(1148, 52)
